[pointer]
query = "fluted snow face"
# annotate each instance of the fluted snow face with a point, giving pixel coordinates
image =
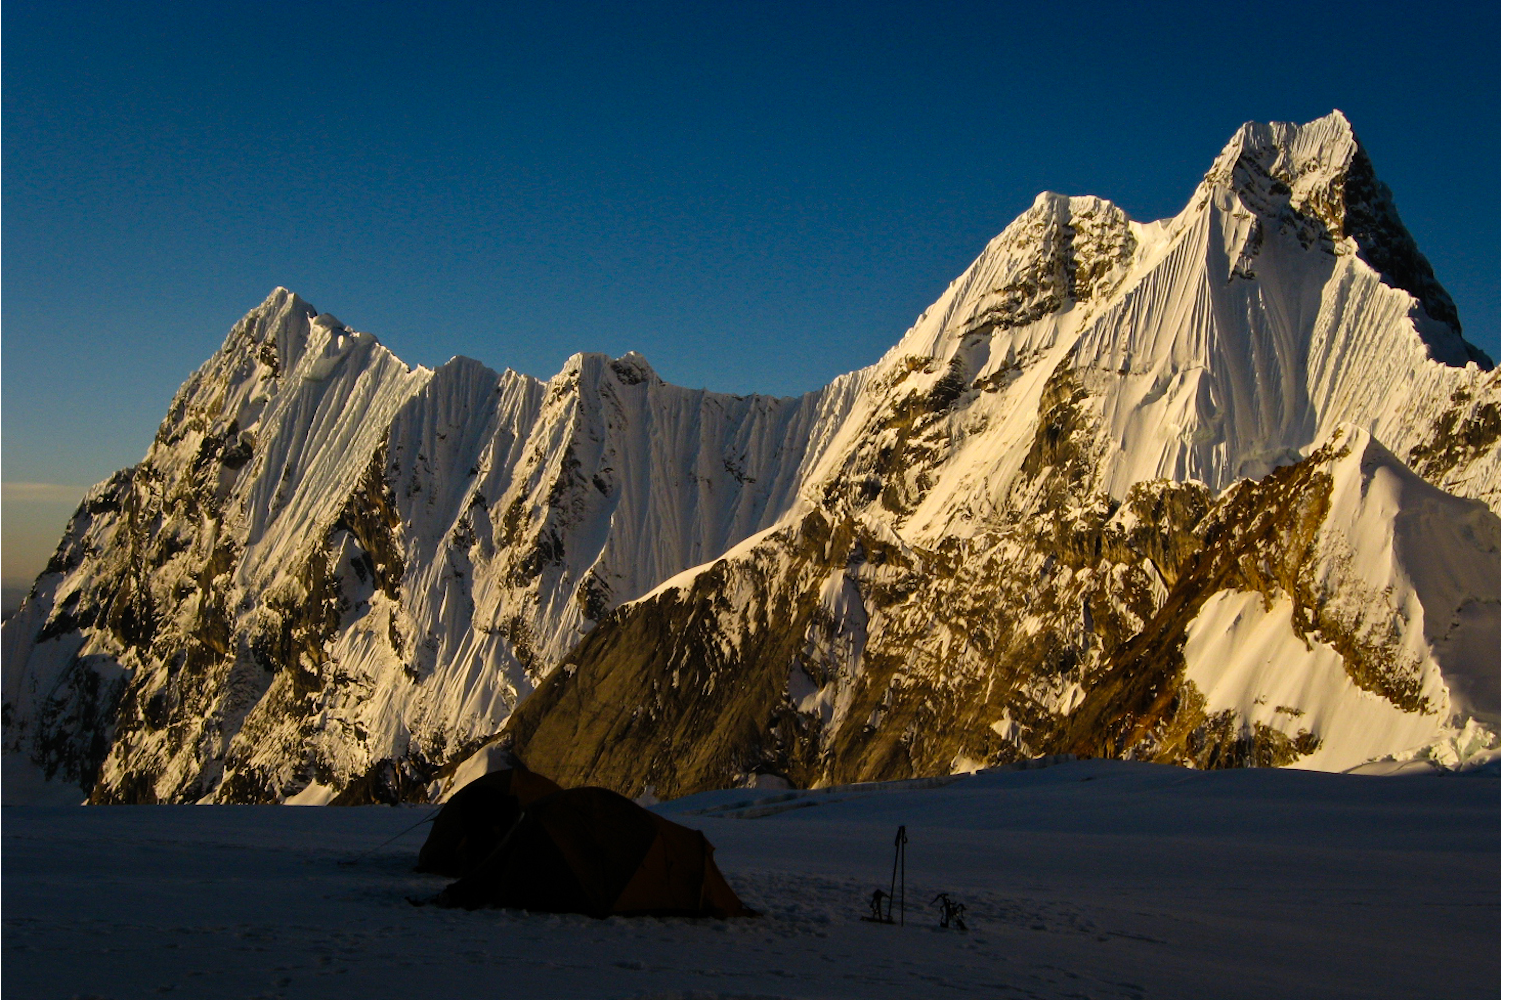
(1213, 346)
(380, 561)
(330, 562)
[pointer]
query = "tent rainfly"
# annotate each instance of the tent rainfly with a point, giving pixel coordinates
(592, 851)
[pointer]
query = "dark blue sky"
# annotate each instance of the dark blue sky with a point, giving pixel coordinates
(757, 196)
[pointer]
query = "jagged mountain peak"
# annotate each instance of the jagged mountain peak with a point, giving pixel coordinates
(631, 368)
(334, 573)
(1055, 205)
(282, 322)
(1063, 248)
(1217, 344)
(279, 297)
(1319, 175)
(1300, 156)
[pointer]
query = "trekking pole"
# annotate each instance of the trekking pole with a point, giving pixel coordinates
(361, 857)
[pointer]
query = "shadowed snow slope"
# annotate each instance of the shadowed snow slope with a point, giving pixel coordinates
(333, 574)
(1097, 879)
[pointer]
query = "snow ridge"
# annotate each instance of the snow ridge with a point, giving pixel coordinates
(335, 571)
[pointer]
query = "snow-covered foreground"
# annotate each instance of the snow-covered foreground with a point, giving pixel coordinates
(1087, 879)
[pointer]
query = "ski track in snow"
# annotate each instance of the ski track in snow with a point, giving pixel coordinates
(1095, 879)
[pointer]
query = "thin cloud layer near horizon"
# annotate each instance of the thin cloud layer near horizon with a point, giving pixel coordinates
(757, 197)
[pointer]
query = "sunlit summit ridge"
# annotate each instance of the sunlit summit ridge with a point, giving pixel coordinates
(333, 574)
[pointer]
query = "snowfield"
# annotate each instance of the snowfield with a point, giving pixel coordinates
(1086, 879)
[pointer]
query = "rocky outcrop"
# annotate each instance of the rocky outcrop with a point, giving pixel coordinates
(1089, 627)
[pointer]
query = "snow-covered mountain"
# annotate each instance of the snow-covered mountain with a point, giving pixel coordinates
(1221, 489)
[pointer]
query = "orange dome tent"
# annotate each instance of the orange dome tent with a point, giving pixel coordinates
(477, 817)
(592, 851)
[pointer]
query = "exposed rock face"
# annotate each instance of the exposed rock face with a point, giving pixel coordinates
(1143, 489)
(825, 652)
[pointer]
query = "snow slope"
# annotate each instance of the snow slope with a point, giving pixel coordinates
(1410, 571)
(1097, 879)
(334, 574)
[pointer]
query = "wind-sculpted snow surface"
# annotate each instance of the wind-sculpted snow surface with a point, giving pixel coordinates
(333, 575)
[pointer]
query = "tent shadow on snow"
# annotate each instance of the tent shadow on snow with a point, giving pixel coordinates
(520, 841)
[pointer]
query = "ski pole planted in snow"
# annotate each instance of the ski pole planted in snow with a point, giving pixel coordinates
(900, 855)
(898, 895)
